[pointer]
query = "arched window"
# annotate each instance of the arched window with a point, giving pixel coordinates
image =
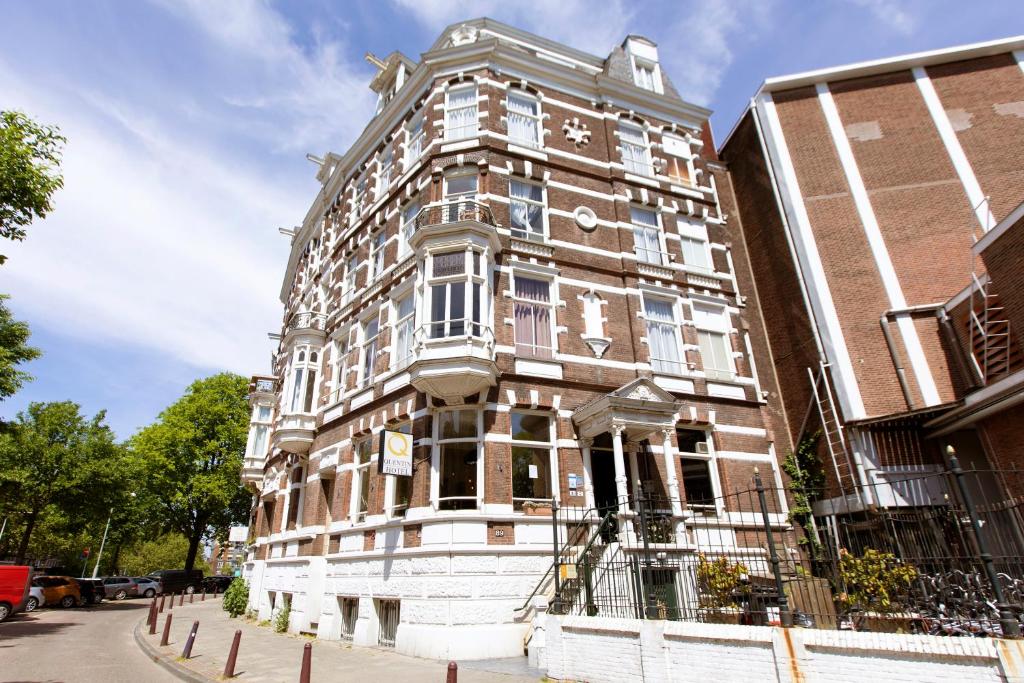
(305, 364)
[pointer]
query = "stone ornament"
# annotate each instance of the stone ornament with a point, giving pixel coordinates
(576, 132)
(585, 218)
(464, 35)
(642, 393)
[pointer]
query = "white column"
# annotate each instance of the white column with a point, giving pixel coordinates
(588, 473)
(670, 472)
(620, 470)
(632, 448)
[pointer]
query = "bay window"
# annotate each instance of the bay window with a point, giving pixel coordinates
(368, 353)
(524, 119)
(461, 113)
(636, 153)
(531, 458)
(459, 446)
(304, 373)
(533, 313)
(663, 339)
(526, 210)
(405, 319)
(647, 236)
(456, 286)
(712, 324)
(261, 428)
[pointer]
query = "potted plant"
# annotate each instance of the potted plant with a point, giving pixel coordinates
(875, 583)
(719, 582)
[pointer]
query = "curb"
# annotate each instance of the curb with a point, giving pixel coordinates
(179, 671)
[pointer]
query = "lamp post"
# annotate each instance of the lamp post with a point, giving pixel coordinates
(99, 556)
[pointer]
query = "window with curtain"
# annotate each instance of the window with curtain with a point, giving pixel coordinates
(351, 273)
(369, 362)
(712, 324)
(408, 227)
(362, 473)
(636, 155)
(458, 444)
(663, 336)
(405, 309)
(359, 200)
(524, 120)
(339, 362)
(304, 372)
(533, 317)
(646, 236)
(456, 294)
(679, 158)
(461, 113)
(414, 140)
(377, 253)
(531, 458)
(526, 208)
(384, 175)
(695, 253)
(459, 191)
(259, 441)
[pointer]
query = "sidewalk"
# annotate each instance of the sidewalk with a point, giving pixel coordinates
(266, 656)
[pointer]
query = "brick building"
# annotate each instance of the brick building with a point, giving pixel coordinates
(880, 206)
(524, 262)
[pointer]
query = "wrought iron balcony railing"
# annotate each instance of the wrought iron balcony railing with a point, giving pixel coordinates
(307, 320)
(453, 212)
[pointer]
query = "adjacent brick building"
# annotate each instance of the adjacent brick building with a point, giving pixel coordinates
(524, 262)
(879, 204)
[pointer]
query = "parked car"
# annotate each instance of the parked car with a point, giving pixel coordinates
(178, 580)
(147, 586)
(91, 590)
(119, 587)
(59, 590)
(217, 583)
(14, 589)
(35, 598)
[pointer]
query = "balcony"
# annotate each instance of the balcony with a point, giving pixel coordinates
(311, 326)
(294, 433)
(252, 471)
(462, 221)
(452, 366)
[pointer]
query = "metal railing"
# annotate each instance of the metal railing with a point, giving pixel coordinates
(306, 320)
(453, 212)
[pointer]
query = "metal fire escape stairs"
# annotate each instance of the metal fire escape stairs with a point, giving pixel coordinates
(832, 432)
(990, 333)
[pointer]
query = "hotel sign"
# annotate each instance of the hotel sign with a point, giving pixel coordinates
(395, 454)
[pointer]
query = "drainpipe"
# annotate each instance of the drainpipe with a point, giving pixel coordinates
(901, 374)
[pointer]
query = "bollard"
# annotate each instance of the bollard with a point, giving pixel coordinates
(453, 673)
(187, 652)
(162, 596)
(191, 598)
(229, 666)
(170, 603)
(307, 662)
(151, 616)
(167, 630)
(203, 599)
(181, 600)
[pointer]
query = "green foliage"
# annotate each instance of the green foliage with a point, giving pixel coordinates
(30, 156)
(806, 482)
(874, 581)
(14, 350)
(281, 617)
(167, 551)
(236, 598)
(719, 580)
(57, 466)
(191, 458)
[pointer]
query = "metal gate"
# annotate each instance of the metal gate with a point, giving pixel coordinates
(388, 616)
(349, 615)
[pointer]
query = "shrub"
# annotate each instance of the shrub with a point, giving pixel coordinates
(875, 581)
(719, 579)
(236, 598)
(281, 618)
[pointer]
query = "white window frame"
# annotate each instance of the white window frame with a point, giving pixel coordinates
(407, 227)
(258, 444)
(655, 70)
(361, 472)
(415, 137)
(408, 322)
(351, 278)
(678, 147)
(536, 118)
(378, 245)
(303, 362)
(438, 442)
(722, 331)
(474, 275)
(368, 350)
(529, 234)
(451, 202)
(639, 163)
(549, 446)
(662, 366)
(697, 237)
(711, 458)
(550, 305)
(467, 130)
(385, 165)
(339, 368)
(643, 252)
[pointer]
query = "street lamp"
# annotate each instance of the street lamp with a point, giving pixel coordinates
(99, 556)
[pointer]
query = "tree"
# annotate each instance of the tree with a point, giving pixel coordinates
(162, 552)
(30, 156)
(192, 459)
(53, 459)
(14, 350)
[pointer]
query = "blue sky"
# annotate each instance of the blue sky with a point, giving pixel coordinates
(188, 124)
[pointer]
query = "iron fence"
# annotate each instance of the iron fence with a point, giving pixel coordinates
(947, 563)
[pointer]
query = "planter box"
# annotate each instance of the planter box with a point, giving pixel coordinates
(538, 511)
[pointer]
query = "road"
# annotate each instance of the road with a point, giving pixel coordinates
(83, 645)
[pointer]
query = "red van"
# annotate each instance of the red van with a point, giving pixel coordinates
(14, 584)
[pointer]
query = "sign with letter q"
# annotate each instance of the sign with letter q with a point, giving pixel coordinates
(395, 454)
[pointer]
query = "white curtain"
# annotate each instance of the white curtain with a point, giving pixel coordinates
(522, 121)
(634, 150)
(462, 113)
(648, 246)
(533, 320)
(527, 216)
(662, 337)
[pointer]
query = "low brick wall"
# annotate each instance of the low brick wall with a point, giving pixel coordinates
(620, 650)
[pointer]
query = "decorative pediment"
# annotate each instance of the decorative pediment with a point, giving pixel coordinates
(643, 389)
